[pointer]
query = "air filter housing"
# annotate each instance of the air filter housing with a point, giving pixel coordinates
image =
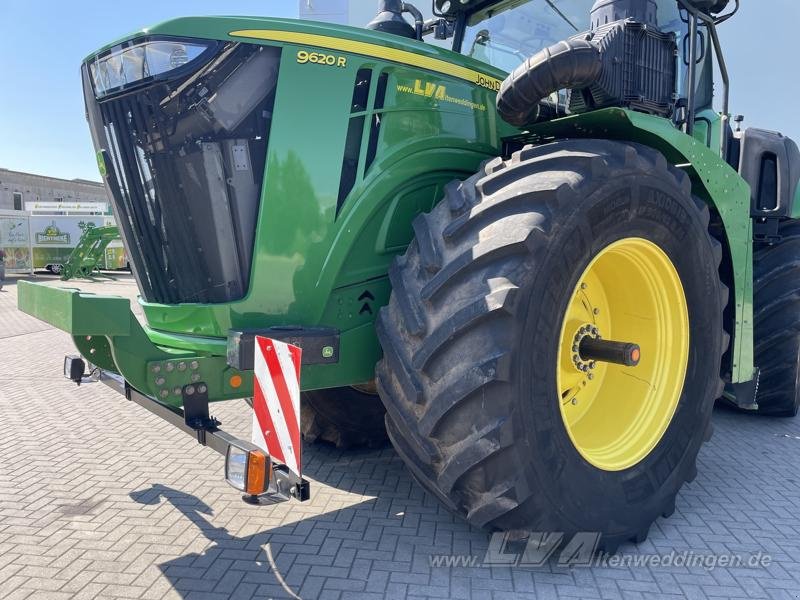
(639, 60)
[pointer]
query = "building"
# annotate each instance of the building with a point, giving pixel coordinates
(26, 191)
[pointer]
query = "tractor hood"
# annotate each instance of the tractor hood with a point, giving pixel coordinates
(181, 116)
(265, 172)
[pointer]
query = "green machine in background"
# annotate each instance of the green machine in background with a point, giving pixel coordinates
(88, 256)
(557, 271)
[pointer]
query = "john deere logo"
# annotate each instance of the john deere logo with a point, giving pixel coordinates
(52, 235)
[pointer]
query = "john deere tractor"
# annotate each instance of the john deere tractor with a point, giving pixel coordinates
(536, 283)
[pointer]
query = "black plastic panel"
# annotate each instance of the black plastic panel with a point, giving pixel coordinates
(320, 345)
(770, 163)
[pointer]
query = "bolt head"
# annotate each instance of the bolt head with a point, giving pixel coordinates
(160, 381)
(156, 368)
(177, 391)
(189, 390)
(574, 401)
(195, 377)
(202, 389)
(590, 376)
(181, 366)
(596, 311)
(170, 367)
(584, 286)
(194, 365)
(164, 393)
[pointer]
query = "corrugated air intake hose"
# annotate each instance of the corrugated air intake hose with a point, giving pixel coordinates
(571, 64)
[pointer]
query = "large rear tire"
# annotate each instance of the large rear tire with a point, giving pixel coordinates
(776, 317)
(478, 375)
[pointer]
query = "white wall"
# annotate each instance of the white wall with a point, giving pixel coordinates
(45, 189)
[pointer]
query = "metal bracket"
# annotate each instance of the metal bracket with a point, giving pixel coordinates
(765, 229)
(743, 395)
(286, 486)
(195, 410)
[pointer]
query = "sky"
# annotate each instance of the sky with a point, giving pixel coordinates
(42, 43)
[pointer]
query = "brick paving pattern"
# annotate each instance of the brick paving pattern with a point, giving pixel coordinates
(100, 499)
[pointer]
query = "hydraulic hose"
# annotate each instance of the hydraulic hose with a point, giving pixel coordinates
(566, 65)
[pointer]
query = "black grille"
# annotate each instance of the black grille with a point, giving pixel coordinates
(185, 164)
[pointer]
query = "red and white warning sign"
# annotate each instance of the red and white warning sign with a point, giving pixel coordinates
(276, 401)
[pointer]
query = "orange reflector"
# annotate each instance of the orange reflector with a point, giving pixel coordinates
(235, 381)
(259, 469)
(635, 354)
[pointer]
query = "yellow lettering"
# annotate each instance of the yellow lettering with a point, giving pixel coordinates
(328, 60)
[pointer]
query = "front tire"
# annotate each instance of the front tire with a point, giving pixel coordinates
(473, 341)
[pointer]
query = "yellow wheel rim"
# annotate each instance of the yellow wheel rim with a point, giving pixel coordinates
(615, 414)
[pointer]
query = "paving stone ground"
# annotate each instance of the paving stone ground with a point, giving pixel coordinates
(100, 499)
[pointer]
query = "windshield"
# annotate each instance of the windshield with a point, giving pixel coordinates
(506, 36)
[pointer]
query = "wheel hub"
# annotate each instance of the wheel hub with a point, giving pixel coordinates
(581, 362)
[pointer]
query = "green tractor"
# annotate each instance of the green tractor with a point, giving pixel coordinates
(536, 284)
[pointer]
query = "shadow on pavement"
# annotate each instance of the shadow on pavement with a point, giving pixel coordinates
(289, 561)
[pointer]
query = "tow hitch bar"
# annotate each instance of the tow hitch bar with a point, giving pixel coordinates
(247, 467)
